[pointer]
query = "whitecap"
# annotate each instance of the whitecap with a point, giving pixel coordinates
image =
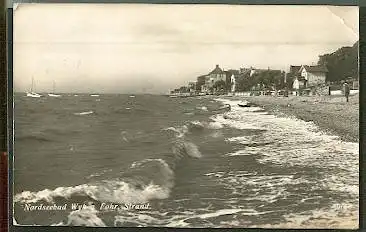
(84, 113)
(85, 217)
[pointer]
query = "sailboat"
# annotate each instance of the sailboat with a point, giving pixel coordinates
(31, 93)
(53, 92)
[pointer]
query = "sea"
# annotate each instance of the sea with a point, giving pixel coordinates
(156, 161)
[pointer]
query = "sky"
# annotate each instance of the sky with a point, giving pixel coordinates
(143, 48)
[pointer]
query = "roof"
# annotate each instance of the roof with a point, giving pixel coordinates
(318, 68)
(217, 70)
(294, 68)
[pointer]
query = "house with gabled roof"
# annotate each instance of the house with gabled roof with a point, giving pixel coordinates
(299, 83)
(313, 75)
(294, 70)
(217, 74)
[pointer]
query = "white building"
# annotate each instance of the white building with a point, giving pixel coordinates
(313, 75)
(233, 82)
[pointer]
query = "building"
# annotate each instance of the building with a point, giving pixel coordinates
(192, 87)
(210, 79)
(294, 70)
(205, 89)
(233, 83)
(217, 74)
(313, 75)
(245, 71)
(256, 71)
(298, 83)
(231, 75)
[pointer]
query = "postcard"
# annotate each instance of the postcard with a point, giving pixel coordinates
(158, 115)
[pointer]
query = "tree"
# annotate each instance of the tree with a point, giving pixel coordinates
(219, 85)
(341, 64)
(244, 82)
(200, 82)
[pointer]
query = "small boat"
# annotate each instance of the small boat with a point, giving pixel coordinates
(244, 104)
(132, 96)
(94, 95)
(31, 93)
(53, 93)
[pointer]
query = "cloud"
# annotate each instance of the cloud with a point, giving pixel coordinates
(154, 47)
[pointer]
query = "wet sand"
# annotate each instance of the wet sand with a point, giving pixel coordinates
(331, 113)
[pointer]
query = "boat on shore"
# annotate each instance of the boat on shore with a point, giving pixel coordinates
(244, 104)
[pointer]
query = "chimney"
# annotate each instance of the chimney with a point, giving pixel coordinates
(217, 66)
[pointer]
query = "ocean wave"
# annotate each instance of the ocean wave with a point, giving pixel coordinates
(202, 217)
(288, 141)
(136, 189)
(239, 153)
(184, 148)
(84, 113)
(232, 120)
(195, 126)
(107, 191)
(87, 216)
(180, 131)
(335, 216)
(35, 137)
(203, 108)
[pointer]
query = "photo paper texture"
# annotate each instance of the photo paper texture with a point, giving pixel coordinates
(139, 115)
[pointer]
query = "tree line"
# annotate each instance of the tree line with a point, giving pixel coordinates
(341, 64)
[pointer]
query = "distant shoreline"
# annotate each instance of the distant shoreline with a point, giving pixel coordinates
(332, 114)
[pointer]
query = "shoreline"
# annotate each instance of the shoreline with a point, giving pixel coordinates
(330, 113)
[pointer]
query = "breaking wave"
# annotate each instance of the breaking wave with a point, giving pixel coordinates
(84, 113)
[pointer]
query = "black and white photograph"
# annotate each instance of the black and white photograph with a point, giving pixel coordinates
(194, 116)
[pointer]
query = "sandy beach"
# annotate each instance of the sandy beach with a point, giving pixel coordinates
(331, 113)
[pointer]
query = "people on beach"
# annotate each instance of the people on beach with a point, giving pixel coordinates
(346, 90)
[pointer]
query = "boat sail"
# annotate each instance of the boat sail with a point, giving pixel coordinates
(31, 93)
(53, 94)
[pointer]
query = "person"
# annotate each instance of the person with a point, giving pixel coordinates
(329, 91)
(346, 90)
